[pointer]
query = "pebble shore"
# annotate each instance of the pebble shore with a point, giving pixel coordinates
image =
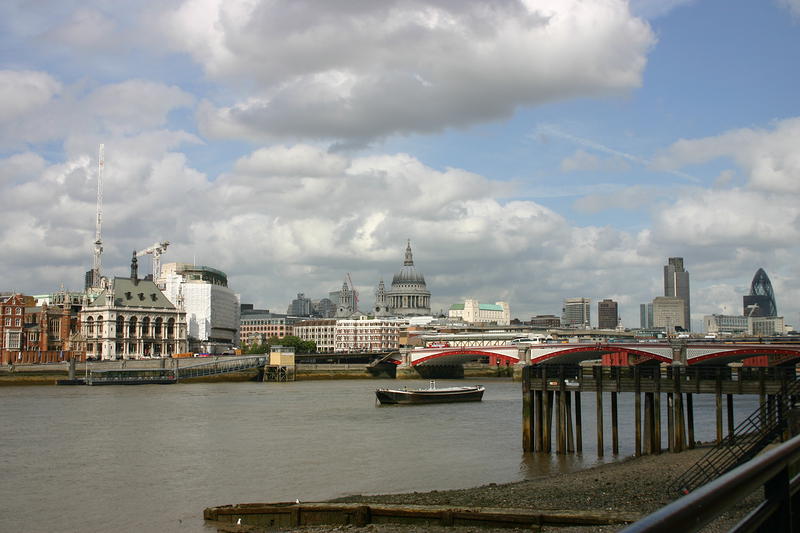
(636, 485)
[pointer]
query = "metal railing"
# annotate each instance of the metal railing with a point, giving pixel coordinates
(222, 366)
(778, 512)
(752, 435)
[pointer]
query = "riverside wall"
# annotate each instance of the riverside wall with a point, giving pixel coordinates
(49, 373)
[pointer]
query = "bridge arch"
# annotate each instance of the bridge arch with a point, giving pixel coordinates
(576, 354)
(467, 354)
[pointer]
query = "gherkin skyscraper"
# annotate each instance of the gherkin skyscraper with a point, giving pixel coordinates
(761, 300)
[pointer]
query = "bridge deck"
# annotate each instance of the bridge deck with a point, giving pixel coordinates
(708, 380)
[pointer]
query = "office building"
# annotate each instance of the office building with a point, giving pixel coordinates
(545, 321)
(300, 306)
(676, 285)
(668, 313)
(322, 332)
(576, 313)
(646, 316)
(607, 314)
(761, 300)
(212, 308)
(368, 335)
(725, 324)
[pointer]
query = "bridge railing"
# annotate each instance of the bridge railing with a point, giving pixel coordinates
(779, 511)
(222, 366)
(645, 371)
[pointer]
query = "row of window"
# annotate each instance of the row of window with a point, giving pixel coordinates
(17, 310)
(17, 322)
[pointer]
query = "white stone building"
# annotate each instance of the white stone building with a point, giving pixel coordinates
(322, 332)
(474, 312)
(212, 309)
(668, 312)
(132, 319)
(368, 334)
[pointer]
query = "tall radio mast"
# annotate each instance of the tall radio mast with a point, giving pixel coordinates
(98, 241)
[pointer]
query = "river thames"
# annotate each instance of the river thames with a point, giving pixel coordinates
(152, 457)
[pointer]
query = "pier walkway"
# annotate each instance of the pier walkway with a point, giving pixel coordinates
(168, 375)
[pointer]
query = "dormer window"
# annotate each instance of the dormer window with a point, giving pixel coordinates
(128, 295)
(141, 296)
(153, 296)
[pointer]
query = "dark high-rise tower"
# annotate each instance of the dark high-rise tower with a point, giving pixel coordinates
(676, 285)
(607, 314)
(761, 300)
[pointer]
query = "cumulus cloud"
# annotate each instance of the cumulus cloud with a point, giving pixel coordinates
(365, 70)
(35, 108)
(730, 219)
(22, 91)
(298, 160)
(769, 158)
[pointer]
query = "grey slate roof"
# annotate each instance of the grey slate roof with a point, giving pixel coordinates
(126, 293)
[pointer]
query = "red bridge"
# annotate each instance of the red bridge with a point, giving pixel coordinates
(612, 354)
(502, 354)
(623, 354)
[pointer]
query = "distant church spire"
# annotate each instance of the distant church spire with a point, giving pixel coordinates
(409, 258)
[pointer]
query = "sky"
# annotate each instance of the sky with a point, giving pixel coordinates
(530, 150)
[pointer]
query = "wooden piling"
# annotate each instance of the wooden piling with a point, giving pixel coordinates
(670, 422)
(718, 396)
(637, 411)
(614, 425)
(560, 429)
(729, 401)
(578, 424)
(568, 410)
(599, 407)
(690, 420)
(538, 426)
(548, 421)
(657, 411)
(528, 418)
(649, 428)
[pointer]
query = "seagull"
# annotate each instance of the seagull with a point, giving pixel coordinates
(296, 500)
(239, 522)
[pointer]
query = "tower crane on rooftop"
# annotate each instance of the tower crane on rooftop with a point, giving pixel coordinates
(155, 250)
(98, 241)
(355, 293)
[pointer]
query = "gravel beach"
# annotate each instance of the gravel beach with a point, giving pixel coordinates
(637, 485)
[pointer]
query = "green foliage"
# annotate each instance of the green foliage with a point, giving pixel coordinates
(299, 345)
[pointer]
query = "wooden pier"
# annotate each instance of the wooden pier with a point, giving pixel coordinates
(552, 418)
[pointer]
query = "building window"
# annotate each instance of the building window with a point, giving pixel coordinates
(13, 340)
(19, 310)
(8, 321)
(18, 322)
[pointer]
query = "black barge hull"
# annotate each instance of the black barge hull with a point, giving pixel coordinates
(464, 394)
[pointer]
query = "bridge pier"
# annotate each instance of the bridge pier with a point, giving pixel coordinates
(552, 418)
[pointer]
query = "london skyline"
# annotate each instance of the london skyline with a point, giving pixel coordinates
(288, 145)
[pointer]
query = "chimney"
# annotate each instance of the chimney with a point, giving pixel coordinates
(135, 269)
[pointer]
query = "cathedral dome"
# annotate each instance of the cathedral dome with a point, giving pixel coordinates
(409, 295)
(408, 274)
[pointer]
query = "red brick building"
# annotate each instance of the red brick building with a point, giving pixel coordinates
(38, 334)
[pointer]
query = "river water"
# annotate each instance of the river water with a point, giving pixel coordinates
(152, 457)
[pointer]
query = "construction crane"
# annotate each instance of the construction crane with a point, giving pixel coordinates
(98, 241)
(355, 293)
(155, 250)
